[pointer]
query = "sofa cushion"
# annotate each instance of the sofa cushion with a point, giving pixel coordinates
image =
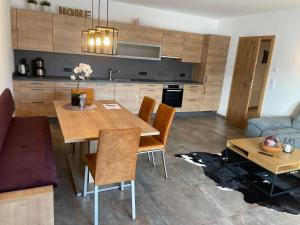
(280, 131)
(7, 107)
(296, 122)
(27, 159)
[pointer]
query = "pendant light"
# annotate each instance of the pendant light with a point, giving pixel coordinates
(102, 39)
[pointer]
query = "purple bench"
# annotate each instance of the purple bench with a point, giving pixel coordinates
(26, 154)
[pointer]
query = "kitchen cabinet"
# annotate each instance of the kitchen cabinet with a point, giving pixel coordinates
(36, 98)
(128, 32)
(34, 30)
(192, 48)
(103, 91)
(14, 31)
(172, 44)
(67, 33)
(149, 35)
(63, 89)
(153, 91)
(192, 98)
(128, 95)
(212, 69)
(16, 94)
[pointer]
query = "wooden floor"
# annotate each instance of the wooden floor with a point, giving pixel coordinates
(188, 197)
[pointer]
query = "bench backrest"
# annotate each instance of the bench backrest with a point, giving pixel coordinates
(7, 109)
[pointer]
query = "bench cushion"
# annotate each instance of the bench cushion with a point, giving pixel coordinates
(7, 107)
(27, 159)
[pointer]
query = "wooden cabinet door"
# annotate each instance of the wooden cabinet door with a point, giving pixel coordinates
(211, 98)
(128, 32)
(244, 70)
(14, 31)
(34, 30)
(103, 91)
(148, 35)
(172, 44)
(153, 91)
(192, 98)
(192, 48)
(128, 95)
(67, 33)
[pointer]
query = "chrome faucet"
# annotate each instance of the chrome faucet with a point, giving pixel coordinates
(111, 72)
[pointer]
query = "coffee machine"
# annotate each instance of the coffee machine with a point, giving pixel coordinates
(38, 67)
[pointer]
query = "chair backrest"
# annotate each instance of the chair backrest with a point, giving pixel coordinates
(7, 109)
(162, 122)
(146, 109)
(117, 155)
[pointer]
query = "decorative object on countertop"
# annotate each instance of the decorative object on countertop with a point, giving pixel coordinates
(102, 39)
(82, 98)
(45, 6)
(82, 72)
(271, 144)
(32, 4)
(289, 145)
(23, 67)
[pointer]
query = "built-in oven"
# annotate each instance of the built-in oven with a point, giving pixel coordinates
(172, 95)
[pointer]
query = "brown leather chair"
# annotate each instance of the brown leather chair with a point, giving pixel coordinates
(145, 114)
(146, 109)
(114, 162)
(162, 122)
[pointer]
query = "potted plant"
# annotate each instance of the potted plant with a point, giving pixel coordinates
(82, 72)
(45, 6)
(32, 4)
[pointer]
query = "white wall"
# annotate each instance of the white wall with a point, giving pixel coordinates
(285, 97)
(6, 56)
(148, 16)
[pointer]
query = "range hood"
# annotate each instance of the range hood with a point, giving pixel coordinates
(138, 51)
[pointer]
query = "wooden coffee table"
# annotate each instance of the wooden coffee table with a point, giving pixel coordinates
(279, 163)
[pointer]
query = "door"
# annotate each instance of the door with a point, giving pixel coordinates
(244, 70)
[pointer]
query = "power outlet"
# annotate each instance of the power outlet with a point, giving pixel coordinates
(182, 74)
(142, 73)
(67, 70)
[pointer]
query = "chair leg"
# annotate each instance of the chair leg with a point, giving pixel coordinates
(85, 181)
(122, 186)
(164, 162)
(149, 157)
(96, 222)
(133, 200)
(74, 148)
(153, 159)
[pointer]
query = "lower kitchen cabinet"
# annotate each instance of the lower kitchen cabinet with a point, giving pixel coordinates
(211, 98)
(16, 94)
(153, 91)
(103, 91)
(192, 98)
(128, 95)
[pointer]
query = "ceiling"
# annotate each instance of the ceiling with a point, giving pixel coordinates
(218, 8)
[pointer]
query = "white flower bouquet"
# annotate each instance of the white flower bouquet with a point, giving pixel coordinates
(82, 72)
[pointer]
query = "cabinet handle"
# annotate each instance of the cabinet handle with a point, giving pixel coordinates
(151, 85)
(37, 89)
(151, 90)
(38, 102)
(36, 83)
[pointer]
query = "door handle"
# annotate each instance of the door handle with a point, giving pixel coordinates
(174, 90)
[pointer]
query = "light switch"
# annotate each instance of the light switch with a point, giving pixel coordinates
(275, 69)
(272, 85)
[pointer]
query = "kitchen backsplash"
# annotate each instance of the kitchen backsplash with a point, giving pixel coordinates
(57, 64)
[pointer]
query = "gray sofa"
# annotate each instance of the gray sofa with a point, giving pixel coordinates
(284, 127)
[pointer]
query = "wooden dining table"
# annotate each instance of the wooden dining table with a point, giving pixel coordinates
(83, 126)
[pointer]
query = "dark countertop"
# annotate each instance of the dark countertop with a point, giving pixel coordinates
(99, 79)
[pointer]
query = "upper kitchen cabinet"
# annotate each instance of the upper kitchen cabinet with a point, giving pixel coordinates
(212, 69)
(14, 31)
(172, 44)
(34, 30)
(192, 48)
(149, 35)
(127, 32)
(67, 33)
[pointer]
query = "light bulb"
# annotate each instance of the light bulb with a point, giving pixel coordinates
(98, 41)
(92, 42)
(106, 41)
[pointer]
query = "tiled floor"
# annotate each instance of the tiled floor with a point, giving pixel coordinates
(187, 197)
